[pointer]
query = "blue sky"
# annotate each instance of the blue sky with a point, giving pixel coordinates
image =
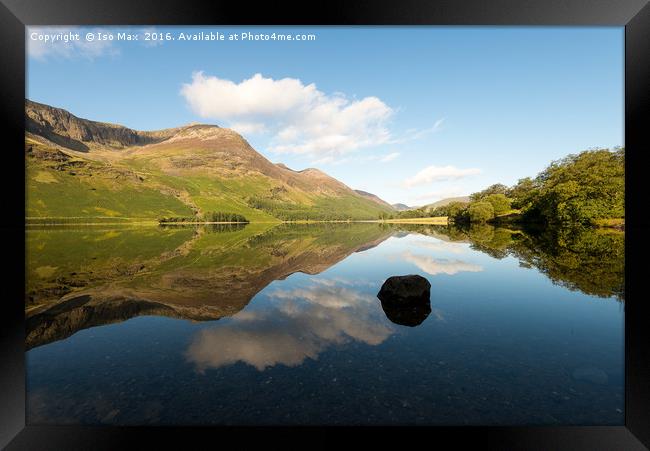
(410, 114)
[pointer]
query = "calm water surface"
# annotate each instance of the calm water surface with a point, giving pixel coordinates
(281, 325)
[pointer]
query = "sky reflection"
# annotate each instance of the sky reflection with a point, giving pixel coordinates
(296, 324)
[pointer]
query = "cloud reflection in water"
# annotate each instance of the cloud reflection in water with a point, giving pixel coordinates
(294, 325)
(436, 266)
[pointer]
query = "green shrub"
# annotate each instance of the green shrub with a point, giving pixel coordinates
(480, 211)
(500, 203)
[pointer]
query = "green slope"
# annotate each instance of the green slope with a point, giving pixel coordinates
(64, 187)
(60, 186)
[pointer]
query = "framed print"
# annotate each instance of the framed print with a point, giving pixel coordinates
(389, 218)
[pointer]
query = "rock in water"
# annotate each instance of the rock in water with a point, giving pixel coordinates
(405, 299)
(403, 289)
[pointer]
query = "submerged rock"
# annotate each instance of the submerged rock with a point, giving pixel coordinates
(406, 299)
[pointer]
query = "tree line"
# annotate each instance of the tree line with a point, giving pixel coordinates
(287, 211)
(213, 216)
(582, 188)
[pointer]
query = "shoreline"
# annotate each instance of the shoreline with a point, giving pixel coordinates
(611, 224)
(355, 221)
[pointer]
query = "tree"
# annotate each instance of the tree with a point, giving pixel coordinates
(497, 188)
(480, 211)
(500, 203)
(581, 188)
(578, 189)
(455, 209)
(522, 193)
(418, 213)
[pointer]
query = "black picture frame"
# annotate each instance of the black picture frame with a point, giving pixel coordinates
(634, 15)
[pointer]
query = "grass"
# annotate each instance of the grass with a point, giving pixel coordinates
(82, 190)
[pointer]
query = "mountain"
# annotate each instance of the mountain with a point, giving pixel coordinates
(61, 127)
(81, 170)
(401, 207)
(374, 198)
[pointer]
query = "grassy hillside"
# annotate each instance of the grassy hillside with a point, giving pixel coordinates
(60, 186)
(187, 172)
(82, 190)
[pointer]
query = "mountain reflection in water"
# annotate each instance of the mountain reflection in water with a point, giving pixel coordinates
(212, 273)
(206, 273)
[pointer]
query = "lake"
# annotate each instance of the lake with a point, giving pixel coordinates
(281, 325)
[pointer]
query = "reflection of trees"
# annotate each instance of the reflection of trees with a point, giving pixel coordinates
(482, 237)
(444, 233)
(586, 259)
(216, 228)
(491, 240)
(583, 258)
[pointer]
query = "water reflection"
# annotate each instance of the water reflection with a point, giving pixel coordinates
(297, 324)
(440, 245)
(436, 266)
(287, 329)
(89, 277)
(407, 315)
(207, 274)
(586, 259)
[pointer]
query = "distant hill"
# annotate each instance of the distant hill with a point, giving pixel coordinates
(440, 203)
(447, 201)
(83, 169)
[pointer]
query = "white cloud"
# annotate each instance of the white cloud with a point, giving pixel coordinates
(439, 173)
(440, 266)
(59, 46)
(389, 157)
(222, 99)
(303, 119)
(246, 128)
